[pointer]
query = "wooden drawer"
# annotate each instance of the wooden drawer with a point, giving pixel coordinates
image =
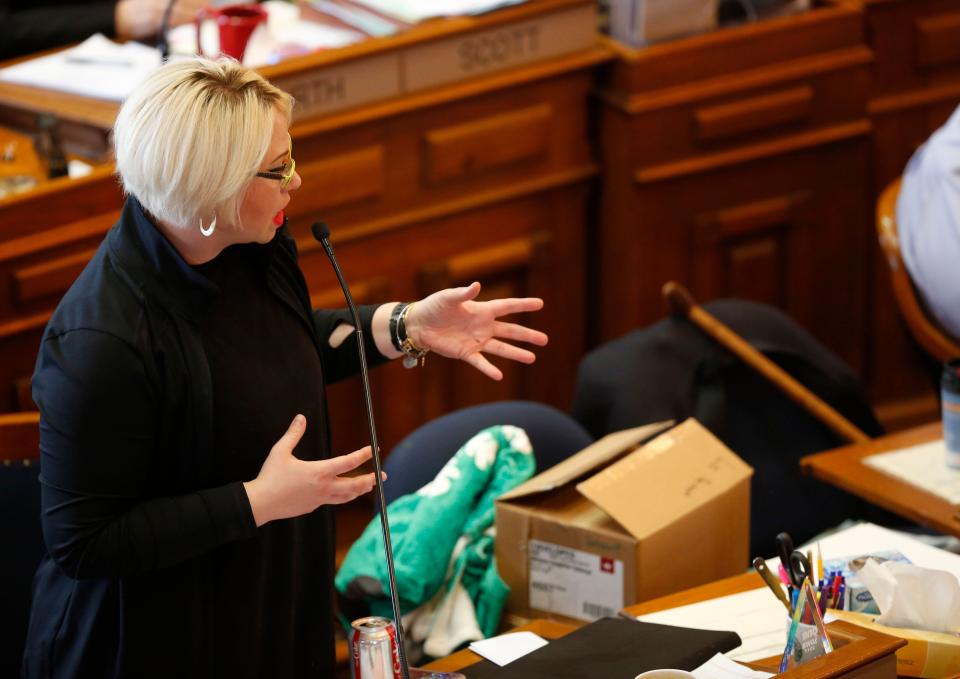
(36, 270)
(787, 229)
(917, 43)
(805, 96)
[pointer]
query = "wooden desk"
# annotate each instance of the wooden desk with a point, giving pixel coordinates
(736, 163)
(858, 652)
(844, 468)
(548, 629)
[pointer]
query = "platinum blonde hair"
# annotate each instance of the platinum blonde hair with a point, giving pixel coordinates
(191, 137)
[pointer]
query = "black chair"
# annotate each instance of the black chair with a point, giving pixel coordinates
(21, 536)
(672, 370)
(416, 459)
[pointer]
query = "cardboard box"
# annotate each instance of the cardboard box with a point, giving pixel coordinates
(624, 520)
(927, 654)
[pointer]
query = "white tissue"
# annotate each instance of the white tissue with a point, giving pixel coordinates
(911, 596)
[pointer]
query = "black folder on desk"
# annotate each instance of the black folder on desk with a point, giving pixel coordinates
(613, 648)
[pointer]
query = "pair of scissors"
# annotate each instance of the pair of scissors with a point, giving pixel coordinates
(794, 562)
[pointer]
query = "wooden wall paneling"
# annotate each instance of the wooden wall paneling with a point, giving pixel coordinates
(797, 220)
(743, 251)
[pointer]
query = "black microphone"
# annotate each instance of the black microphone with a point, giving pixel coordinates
(322, 233)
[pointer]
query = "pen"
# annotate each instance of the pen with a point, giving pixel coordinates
(98, 61)
(761, 567)
(819, 562)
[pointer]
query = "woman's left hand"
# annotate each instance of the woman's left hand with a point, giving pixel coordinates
(452, 324)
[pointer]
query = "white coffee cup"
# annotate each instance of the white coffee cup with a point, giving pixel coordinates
(666, 674)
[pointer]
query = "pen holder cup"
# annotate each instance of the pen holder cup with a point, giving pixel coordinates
(806, 645)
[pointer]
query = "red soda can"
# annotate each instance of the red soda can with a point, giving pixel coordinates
(374, 650)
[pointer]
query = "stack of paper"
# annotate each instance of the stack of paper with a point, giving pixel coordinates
(924, 466)
(413, 11)
(760, 619)
(97, 67)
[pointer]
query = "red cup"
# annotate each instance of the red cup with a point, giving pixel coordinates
(235, 24)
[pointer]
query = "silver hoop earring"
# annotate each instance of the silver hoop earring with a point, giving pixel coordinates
(210, 228)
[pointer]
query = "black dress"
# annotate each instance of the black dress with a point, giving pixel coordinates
(264, 369)
(162, 387)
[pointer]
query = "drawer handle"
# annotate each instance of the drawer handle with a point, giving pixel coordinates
(757, 113)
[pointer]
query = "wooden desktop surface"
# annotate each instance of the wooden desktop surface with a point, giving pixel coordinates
(844, 468)
(548, 629)
(856, 649)
(859, 652)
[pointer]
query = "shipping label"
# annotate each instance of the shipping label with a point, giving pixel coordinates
(573, 583)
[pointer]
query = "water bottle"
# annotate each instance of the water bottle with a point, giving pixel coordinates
(950, 400)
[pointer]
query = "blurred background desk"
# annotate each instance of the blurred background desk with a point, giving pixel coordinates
(859, 652)
(844, 468)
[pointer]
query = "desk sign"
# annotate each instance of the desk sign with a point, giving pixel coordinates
(345, 85)
(440, 62)
(496, 49)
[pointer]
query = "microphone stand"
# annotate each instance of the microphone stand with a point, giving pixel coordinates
(162, 43)
(322, 233)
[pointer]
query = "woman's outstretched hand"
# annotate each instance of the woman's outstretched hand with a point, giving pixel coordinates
(287, 486)
(453, 324)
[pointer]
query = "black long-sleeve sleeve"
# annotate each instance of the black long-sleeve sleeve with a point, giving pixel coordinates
(100, 467)
(344, 360)
(26, 27)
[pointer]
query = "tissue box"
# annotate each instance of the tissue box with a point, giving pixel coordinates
(927, 654)
(857, 597)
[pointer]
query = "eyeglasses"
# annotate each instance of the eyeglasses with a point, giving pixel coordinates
(284, 173)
